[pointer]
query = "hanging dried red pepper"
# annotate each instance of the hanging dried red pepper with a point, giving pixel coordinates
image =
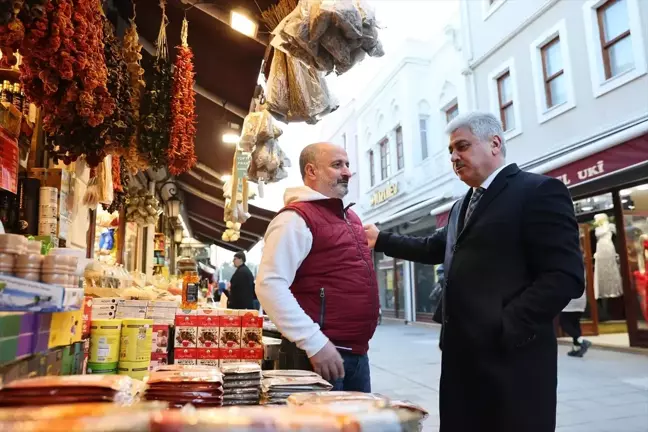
(182, 154)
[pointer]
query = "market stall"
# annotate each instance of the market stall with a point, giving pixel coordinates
(148, 127)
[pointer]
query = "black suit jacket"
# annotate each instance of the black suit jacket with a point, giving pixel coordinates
(509, 271)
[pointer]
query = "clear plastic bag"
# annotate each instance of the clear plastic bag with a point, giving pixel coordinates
(277, 94)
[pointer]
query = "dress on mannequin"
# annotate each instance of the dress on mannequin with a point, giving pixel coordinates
(607, 277)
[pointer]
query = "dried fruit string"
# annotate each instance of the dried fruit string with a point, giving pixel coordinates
(182, 154)
(134, 160)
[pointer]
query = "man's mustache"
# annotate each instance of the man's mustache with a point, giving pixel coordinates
(343, 181)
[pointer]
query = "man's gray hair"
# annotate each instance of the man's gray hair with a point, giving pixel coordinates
(483, 125)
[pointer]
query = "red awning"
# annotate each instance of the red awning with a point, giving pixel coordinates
(600, 164)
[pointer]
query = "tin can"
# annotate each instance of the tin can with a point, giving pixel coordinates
(47, 227)
(102, 368)
(136, 340)
(104, 341)
(48, 196)
(47, 211)
(135, 370)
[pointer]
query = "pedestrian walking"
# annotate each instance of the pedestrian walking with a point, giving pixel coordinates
(569, 320)
(316, 280)
(512, 262)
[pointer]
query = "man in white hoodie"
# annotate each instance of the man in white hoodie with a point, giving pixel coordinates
(316, 280)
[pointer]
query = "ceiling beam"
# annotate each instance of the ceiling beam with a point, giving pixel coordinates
(200, 194)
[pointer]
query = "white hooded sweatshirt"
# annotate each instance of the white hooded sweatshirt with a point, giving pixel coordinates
(288, 241)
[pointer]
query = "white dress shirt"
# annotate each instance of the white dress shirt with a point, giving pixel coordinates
(489, 180)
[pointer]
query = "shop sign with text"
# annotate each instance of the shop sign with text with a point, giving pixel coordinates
(384, 194)
(606, 162)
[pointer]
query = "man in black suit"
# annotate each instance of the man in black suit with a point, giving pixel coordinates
(512, 262)
(241, 293)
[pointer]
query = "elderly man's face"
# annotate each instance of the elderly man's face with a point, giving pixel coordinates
(473, 160)
(330, 171)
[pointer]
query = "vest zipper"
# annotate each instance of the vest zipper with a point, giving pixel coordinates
(322, 308)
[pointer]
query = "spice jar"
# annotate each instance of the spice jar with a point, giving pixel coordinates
(7, 262)
(13, 244)
(190, 290)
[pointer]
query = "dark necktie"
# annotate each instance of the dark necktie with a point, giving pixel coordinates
(474, 200)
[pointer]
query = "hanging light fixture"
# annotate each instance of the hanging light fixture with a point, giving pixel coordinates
(242, 24)
(232, 134)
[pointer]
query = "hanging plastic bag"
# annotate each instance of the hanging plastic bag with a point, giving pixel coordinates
(278, 92)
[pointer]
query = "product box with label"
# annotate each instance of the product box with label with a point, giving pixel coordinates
(160, 339)
(208, 356)
(185, 356)
(186, 317)
(66, 328)
(254, 355)
(222, 361)
(186, 337)
(134, 312)
(251, 329)
(157, 360)
(208, 317)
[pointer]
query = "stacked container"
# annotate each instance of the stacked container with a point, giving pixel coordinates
(48, 211)
(105, 338)
(135, 348)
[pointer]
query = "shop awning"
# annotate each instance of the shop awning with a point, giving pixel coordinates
(227, 65)
(612, 160)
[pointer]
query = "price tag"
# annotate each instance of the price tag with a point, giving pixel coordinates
(243, 160)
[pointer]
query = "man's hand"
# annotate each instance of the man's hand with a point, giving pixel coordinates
(372, 234)
(328, 363)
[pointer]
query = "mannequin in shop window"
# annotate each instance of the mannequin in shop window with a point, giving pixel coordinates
(607, 277)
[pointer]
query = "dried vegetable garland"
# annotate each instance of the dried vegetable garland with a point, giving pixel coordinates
(182, 154)
(64, 72)
(121, 125)
(155, 114)
(135, 161)
(12, 30)
(120, 185)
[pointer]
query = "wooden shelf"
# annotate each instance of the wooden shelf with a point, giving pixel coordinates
(12, 75)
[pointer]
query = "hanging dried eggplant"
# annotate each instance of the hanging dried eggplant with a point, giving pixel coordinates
(155, 113)
(182, 153)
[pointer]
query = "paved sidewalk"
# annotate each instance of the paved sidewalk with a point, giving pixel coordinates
(603, 392)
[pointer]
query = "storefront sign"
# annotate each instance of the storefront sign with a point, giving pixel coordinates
(383, 195)
(606, 162)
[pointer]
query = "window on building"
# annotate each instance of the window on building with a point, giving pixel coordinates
(554, 73)
(423, 129)
(400, 153)
(616, 40)
(344, 142)
(384, 159)
(505, 95)
(372, 169)
(452, 112)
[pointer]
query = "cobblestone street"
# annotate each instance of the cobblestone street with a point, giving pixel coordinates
(603, 392)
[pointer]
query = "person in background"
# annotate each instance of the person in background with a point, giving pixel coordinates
(512, 261)
(316, 280)
(241, 292)
(570, 322)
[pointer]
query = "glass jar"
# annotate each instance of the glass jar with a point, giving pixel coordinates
(190, 289)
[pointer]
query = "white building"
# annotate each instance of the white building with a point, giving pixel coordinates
(397, 147)
(569, 81)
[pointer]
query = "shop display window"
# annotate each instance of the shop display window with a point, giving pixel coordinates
(635, 214)
(427, 291)
(390, 290)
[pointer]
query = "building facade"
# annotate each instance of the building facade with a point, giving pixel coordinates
(569, 81)
(397, 148)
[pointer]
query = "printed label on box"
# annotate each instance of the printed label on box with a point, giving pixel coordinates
(229, 337)
(101, 314)
(186, 318)
(103, 301)
(225, 361)
(166, 304)
(132, 303)
(187, 362)
(186, 337)
(208, 354)
(184, 353)
(251, 319)
(251, 337)
(229, 318)
(230, 353)
(252, 353)
(131, 312)
(160, 339)
(208, 362)
(208, 337)
(208, 318)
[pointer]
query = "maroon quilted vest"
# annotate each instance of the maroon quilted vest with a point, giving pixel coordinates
(336, 284)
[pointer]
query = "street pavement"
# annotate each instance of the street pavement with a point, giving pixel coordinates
(603, 392)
